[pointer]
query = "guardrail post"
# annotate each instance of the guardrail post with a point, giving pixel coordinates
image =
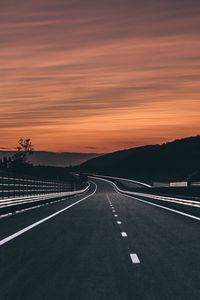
(14, 186)
(2, 182)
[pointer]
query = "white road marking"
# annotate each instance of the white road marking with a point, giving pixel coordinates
(114, 210)
(170, 199)
(134, 258)
(164, 207)
(115, 216)
(16, 234)
(125, 179)
(119, 222)
(121, 192)
(124, 234)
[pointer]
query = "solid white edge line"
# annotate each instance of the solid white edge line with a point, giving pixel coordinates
(124, 179)
(150, 203)
(16, 234)
(166, 208)
(134, 258)
(168, 199)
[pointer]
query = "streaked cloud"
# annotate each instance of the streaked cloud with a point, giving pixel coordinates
(99, 74)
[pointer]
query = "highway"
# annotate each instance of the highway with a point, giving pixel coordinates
(101, 245)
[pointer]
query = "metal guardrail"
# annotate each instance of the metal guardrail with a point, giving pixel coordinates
(185, 207)
(11, 202)
(169, 199)
(176, 184)
(14, 185)
(195, 184)
(131, 181)
(21, 192)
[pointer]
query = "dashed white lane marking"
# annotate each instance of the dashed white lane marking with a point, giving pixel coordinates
(134, 258)
(124, 234)
(114, 210)
(16, 234)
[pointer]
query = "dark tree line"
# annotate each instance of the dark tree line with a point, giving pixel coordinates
(18, 163)
(19, 160)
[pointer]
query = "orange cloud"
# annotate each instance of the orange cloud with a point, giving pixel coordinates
(98, 75)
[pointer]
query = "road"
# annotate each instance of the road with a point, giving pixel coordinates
(99, 246)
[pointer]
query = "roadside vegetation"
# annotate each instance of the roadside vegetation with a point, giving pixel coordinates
(19, 163)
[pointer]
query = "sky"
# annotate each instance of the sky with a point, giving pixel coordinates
(98, 76)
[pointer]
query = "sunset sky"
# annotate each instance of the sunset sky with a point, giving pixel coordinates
(97, 76)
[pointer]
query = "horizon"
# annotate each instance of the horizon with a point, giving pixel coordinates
(101, 153)
(96, 77)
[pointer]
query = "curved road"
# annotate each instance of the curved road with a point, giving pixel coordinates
(99, 246)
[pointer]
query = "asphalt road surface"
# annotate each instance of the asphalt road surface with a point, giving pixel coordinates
(99, 246)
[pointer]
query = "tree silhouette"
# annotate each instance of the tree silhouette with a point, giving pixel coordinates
(24, 149)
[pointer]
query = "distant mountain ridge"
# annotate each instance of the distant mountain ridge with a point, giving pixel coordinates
(177, 160)
(56, 159)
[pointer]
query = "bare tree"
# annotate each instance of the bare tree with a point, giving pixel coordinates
(24, 149)
(25, 146)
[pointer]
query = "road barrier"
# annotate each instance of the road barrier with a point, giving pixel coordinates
(161, 184)
(195, 184)
(176, 184)
(19, 191)
(179, 184)
(187, 207)
(15, 185)
(131, 181)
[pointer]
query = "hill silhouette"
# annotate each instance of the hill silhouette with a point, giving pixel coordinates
(177, 160)
(56, 159)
